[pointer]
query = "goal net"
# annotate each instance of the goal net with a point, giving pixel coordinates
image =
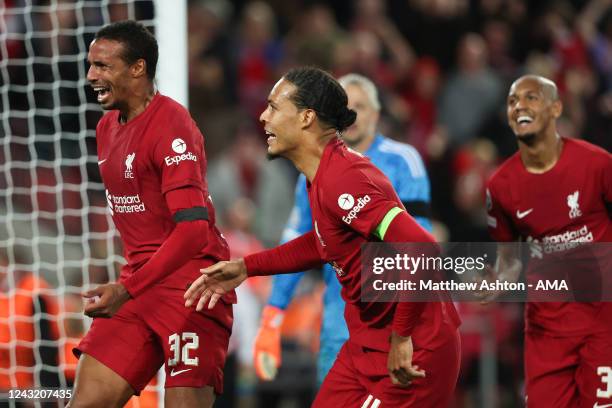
(56, 235)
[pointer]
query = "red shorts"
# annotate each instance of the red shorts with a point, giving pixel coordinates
(156, 328)
(359, 378)
(568, 371)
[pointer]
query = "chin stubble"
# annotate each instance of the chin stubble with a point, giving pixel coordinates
(272, 156)
(528, 138)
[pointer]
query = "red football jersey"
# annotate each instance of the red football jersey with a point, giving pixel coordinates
(160, 150)
(566, 204)
(349, 197)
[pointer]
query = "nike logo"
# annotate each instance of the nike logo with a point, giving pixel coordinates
(596, 405)
(101, 161)
(523, 214)
(173, 373)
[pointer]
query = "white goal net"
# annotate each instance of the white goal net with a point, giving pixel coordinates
(56, 235)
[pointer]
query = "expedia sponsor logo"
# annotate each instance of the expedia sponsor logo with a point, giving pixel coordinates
(179, 146)
(361, 202)
(559, 242)
(171, 160)
(124, 204)
(346, 201)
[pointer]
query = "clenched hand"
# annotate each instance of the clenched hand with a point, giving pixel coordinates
(105, 300)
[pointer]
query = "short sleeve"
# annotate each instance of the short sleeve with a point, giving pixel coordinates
(358, 202)
(499, 224)
(179, 154)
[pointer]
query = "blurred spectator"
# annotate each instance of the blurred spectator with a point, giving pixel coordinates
(274, 198)
(498, 37)
(212, 67)
(421, 97)
(595, 25)
(259, 56)
(235, 173)
(28, 325)
(389, 57)
(314, 37)
(472, 167)
(432, 27)
(472, 85)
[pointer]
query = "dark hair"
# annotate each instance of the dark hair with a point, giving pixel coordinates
(319, 91)
(137, 40)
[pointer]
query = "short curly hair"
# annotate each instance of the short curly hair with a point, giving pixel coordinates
(319, 91)
(138, 43)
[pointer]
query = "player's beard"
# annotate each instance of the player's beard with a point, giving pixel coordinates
(528, 138)
(272, 156)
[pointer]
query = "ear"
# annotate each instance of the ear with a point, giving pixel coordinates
(307, 117)
(557, 109)
(139, 68)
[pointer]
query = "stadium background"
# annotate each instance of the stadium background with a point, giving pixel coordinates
(443, 68)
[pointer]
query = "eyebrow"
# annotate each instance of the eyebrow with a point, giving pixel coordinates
(528, 92)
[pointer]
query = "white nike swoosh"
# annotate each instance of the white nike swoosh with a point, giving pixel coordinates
(596, 405)
(101, 161)
(523, 214)
(173, 373)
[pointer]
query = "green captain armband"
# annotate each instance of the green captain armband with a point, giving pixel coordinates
(382, 228)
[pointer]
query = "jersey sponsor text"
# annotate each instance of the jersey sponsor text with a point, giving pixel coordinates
(171, 160)
(361, 202)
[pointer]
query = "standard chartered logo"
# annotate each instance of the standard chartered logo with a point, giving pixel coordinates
(361, 202)
(109, 200)
(124, 204)
(560, 242)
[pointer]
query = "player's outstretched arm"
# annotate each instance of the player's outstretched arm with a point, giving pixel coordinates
(216, 281)
(296, 255)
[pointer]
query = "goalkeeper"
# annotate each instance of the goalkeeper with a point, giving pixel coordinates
(402, 164)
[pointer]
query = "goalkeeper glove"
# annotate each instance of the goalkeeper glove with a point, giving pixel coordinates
(267, 349)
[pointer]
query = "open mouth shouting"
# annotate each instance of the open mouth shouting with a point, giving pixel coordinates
(271, 137)
(103, 93)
